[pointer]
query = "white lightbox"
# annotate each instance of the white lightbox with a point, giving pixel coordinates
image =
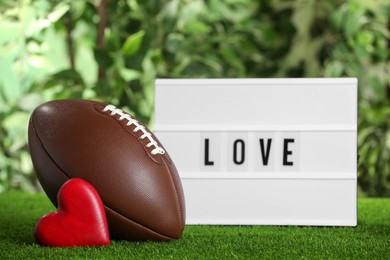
(262, 151)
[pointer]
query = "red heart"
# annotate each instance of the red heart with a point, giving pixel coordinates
(79, 221)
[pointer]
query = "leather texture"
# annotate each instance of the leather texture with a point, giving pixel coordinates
(79, 221)
(141, 192)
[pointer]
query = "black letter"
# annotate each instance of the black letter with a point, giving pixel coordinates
(206, 153)
(287, 152)
(238, 162)
(265, 155)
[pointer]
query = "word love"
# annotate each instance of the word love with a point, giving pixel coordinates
(256, 151)
(239, 151)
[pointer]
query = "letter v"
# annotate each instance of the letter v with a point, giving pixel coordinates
(265, 155)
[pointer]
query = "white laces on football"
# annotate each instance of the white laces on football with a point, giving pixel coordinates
(131, 121)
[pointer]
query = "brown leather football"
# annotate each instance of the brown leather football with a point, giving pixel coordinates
(134, 176)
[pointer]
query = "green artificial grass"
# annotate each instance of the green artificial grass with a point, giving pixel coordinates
(369, 240)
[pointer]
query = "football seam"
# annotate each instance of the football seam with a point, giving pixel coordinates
(141, 226)
(130, 133)
(70, 177)
(46, 152)
(176, 196)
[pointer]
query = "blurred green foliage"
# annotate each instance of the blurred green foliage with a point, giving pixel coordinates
(113, 51)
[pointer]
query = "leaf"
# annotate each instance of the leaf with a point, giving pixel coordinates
(376, 87)
(10, 85)
(365, 38)
(9, 31)
(15, 121)
(89, 93)
(195, 27)
(364, 134)
(133, 5)
(352, 24)
(337, 17)
(112, 41)
(29, 101)
(334, 69)
(38, 61)
(171, 9)
(144, 108)
(104, 88)
(233, 60)
(58, 12)
(69, 74)
(133, 43)
(173, 42)
(25, 163)
(387, 143)
(103, 58)
(129, 74)
(27, 19)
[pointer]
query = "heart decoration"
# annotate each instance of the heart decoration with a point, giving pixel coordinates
(80, 219)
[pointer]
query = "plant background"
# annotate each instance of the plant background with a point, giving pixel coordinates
(113, 50)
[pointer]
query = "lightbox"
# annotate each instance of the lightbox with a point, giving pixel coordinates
(262, 151)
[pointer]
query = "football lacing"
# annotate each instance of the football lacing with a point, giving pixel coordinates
(131, 121)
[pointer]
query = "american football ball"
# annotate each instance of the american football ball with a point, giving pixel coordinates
(130, 169)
